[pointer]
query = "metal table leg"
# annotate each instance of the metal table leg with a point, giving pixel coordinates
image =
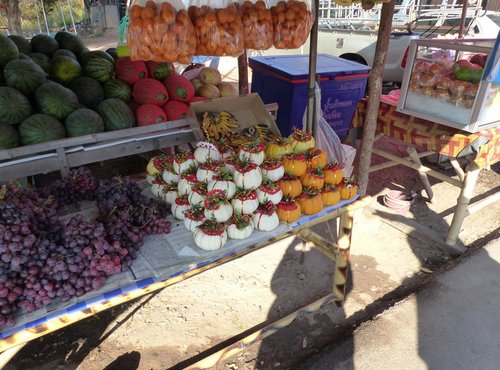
(423, 177)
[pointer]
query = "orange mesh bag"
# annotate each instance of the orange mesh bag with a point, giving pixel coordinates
(219, 30)
(160, 31)
(257, 24)
(292, 22)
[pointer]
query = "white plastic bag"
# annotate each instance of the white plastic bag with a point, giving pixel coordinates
(326, 138)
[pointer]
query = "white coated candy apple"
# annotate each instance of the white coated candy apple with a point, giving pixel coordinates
(230, 163)
(266, 218)
(186, 183)
(226, 152)
(179, 206)
(217, 206)
(247, 175)
(269, 192)
(207, 170)
(157, 164)
(253, 152)
(240, 227)
(193, 218)
(150, 179)
(210, 235)
(169, 175)
(157, 187)
(170, 193)
(223, 181)
(184, 161)
(205, 151)
(272, 169)
(245, 201)
(198, 194)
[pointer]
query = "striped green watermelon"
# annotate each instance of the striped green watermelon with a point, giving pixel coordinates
(88, 90)
(66, 53)
(83, 122)
(56, 100)
(8, 137)
(73, 43)
(64, 69)
(23, 45)
(40, 128)
(42, 60)
(24, 75)
(99, 69)
(44, 44)
(117, 89)
(14, 106)
(8, 50)
(88, 55)
(116, 114)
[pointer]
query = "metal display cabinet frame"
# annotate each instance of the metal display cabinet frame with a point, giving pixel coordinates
(474, 124)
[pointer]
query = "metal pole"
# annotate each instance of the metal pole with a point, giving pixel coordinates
(37, 17)
(463, 19)
(313, 51)
(45, 17)
(62, 14)
(72, 19)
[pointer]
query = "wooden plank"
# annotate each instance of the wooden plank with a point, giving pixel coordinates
(88, 139)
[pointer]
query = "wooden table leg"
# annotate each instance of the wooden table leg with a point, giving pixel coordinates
(463, 202)
(342, 260)
(423, 177)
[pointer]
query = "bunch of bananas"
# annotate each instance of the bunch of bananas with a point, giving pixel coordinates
(250, 134)
(216, 125)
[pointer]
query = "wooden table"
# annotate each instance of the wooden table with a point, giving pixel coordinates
(481, 149)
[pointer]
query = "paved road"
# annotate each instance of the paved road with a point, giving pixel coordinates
(452, 324)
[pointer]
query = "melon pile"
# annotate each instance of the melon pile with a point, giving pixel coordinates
(52, 88)
(207, 83)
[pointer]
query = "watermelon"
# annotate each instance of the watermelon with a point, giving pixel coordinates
(88, 55)
(83, 122)
(116, 114)
(8, 50)
(24, 75)
(117, 89)
(160, 70)
(99, 69)
(130, 71)
(61, 35)
(8, 137)
(72, 43)
(150, 114)
(23, 45)
(24, 57)
(56, 100)
(65, 69)
(40, 128)
(113, 52)
(42, 60)
(150, 91)
(88, 90)
(64, 52)
(14, 106)
(44, 44)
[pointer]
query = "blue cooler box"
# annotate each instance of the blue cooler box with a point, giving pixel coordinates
(284, 80)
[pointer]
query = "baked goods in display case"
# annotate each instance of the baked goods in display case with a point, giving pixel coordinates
(445, 82)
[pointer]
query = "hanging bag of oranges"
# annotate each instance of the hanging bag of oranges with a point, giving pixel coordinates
(292, 22)
(257, 24)
(218, 26)
(160, 31)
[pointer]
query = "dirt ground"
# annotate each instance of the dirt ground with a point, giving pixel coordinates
(168, 328)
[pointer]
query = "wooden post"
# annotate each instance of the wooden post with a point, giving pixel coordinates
(375, 88)
(243, 73)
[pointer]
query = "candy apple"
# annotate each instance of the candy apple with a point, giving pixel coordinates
(265, 217)
(240, 227)
(301, 141)
(206, 152)
(290, 186)
(269, 192)
(198, 194)
(247, 175)
(193, 218)
(222, 180)
(288, 210)
(272, 169)
(295, 164)
(313, 178)
(183, 161)
(316, 158)
(277, 148)
(330, 195)
(245, 201)
(348, 188)
(253, 152)
(207, 170)
(169, 175)
(179, 206)
(310, 201)
(169, 193)
(210, 235)
(186, 183)
(333, 173)
(217, 206)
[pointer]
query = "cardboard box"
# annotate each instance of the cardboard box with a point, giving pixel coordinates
(249, 110)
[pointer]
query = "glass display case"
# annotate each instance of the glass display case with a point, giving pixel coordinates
(453, 82)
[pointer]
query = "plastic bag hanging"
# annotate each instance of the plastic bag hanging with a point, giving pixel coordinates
(160, 31)
(257, 24)
(326, 138)
(218, 27)
(292, 21)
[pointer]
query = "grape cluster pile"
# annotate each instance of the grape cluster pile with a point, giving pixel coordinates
(42, 260)
(79, 185)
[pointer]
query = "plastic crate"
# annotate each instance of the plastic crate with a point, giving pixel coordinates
(284, 80)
